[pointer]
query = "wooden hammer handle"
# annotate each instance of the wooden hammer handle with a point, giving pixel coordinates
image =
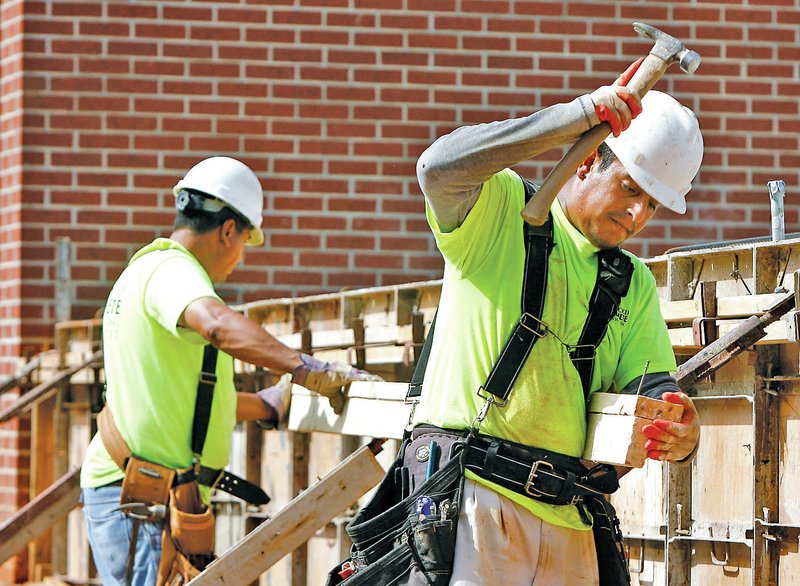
(536, 210)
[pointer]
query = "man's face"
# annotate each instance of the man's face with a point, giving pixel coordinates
(231, 250)
(608, 206)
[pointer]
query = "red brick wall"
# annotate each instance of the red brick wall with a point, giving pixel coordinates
(331, 102)
(14, 436)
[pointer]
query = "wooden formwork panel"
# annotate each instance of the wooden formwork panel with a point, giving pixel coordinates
(721, 564)
(646, 562)
(640, 501)
(789, 486)
(722, 489)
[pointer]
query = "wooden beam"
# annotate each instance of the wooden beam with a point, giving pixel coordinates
(39, 514)
(44, 390)
(297, 522)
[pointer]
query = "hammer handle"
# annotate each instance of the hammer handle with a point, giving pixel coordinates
(536, 210)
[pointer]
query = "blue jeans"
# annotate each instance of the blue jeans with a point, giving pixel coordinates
(109, 533)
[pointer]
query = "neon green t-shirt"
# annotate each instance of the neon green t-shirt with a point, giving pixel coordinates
(479, 307)
(152, 366)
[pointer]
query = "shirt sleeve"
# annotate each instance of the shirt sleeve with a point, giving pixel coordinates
(174, 284)
(466, 247)
(646, 339)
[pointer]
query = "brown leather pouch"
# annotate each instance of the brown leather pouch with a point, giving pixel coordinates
(191, 522)
(146, 482)
(175, 568)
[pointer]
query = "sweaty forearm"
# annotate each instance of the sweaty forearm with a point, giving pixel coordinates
(452, 170)
(239, 336)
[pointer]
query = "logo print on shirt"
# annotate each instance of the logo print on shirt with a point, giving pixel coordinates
(622, 316)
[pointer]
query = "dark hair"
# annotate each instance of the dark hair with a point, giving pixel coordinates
(607, 156)
(199, 221)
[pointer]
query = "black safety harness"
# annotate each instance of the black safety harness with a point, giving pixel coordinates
(540, 474)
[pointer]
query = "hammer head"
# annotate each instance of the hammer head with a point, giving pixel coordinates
(668, 48)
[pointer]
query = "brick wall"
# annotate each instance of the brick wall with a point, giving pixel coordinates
(14, 436)
(331, 101)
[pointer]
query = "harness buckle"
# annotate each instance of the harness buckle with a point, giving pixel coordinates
(208, 378)
(538, 328)
(529, 488)
(489, 398)
(582, 351)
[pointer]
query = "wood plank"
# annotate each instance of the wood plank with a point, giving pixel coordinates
(372, 409)
(297, 522)
(636, 405)
(39, 514)
(615, 439)
(45, 390)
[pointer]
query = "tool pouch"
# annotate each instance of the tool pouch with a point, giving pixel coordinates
(187, 543)
(175, 568)
(191, 522)
(146, 482)
(407, 540)
(612, 563)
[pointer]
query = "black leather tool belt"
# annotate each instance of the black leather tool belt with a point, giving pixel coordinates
(225, 481)
(543, 475)
(546, 476)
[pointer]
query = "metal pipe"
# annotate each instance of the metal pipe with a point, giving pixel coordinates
(777, 190)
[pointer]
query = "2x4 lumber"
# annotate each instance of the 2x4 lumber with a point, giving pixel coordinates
(12, 382)
(44, 390)
(297, 522)
(766, 472)
(39, 514)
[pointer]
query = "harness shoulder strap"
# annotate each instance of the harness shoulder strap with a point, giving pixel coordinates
(614, 272)
(205, 396)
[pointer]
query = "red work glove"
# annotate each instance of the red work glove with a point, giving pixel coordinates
(616, 104)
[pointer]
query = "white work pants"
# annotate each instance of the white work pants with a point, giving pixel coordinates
(500, 543)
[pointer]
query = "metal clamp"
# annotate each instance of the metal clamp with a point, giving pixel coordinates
(529, 488)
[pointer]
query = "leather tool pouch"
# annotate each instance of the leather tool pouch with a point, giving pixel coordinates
(146, 482)
(187, 543)
(190, 521)
(612, 563)
(406, 539)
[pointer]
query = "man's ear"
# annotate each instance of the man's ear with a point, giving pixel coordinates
(227, 231)
(583, 170)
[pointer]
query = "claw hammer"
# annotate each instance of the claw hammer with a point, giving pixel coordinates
(666, 51)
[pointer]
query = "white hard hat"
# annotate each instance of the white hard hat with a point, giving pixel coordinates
(661, 149)
(233, 183)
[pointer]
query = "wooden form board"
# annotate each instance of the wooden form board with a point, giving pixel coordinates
(614, 427)
(296, 522)
(373, 409)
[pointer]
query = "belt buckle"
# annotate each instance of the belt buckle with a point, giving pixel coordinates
(538, 329)
(529, 488)
(214, 484)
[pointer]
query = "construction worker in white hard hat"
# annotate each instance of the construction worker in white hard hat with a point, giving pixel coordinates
(169, 342)
(531, 321)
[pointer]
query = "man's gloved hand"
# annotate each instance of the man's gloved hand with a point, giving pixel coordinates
(330, 379)
(616, 104)
(278, 397)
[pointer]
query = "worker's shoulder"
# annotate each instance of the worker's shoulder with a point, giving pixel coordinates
(642, 277)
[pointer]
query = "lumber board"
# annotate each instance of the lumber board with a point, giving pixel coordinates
(373, 409)
(44, 390)
(636, 405)
(39, 514)
(297, 522)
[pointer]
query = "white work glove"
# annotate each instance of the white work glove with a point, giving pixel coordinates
(617, 104)
(329, 379)
(278, 396)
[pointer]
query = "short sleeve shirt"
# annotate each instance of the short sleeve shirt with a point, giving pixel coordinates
(152, 365)
(479, 307)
